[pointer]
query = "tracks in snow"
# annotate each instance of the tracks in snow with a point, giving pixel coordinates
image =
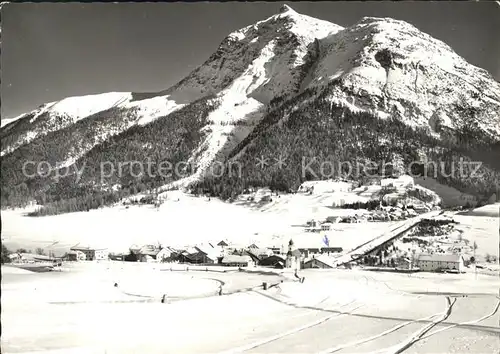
(497, 306)
(418, 335)
(422, 333)
(377, 336)
(293, 331)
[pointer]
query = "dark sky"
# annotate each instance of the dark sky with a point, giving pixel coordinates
(51, 51)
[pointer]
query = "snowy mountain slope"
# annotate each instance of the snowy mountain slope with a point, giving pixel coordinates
(8, 121)
(386, 69)
(89, 122)
(390, 66)
(253, 83)
(252, 66)
(292, 33)
(244, 74)
(56, 115)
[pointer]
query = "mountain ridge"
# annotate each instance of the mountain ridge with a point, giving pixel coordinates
(379, 68)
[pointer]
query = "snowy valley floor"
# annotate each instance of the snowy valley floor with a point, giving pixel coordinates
(187, 220)
(79, 310)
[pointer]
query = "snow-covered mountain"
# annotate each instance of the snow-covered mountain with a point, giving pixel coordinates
(257, 78)
(251, 67)
(393, 68)
(55, 116)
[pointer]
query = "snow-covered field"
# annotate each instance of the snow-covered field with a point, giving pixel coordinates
(184, 219)
(482, 226)
(187, 220)
(80, 311)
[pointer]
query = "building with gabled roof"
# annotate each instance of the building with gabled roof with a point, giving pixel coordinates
(275, 261)
(75, 256)
(203, 254)
(213, 252)
(436, 262)
(235, 260)
(259, 252)
(91, 253)
(167, 254)
(134, 248)
(223, 244)
(321, 262)
(145, 253)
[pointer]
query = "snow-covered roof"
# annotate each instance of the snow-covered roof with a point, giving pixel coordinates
(213, 253)
(80, 247)
(149, 250)
(74, 253)
(36, 257)
(190, 250)
(329, 261)
(233, 258)
(168, 249)
(260, 251)
(437, 257)
(278, 256)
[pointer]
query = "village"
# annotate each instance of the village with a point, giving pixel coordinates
(424, 243)
(250, 178)
(426, 247)
(385, 245)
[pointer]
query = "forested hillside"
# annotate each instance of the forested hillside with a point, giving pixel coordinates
(172, 138)
(286, 99)
(329, 132)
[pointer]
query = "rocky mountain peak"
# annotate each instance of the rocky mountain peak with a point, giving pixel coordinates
(286, 9)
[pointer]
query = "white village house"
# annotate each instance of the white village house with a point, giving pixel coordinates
(235, 260)
(440, 262)
(320, 262)
(91, 253)
(326, 226)
(76, 256)
(166, 253)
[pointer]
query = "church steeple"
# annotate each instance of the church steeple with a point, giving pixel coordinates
(290, 248)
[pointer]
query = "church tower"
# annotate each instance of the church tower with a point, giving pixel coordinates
(292, 256)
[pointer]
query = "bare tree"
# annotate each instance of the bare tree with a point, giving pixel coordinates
(40, 251)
